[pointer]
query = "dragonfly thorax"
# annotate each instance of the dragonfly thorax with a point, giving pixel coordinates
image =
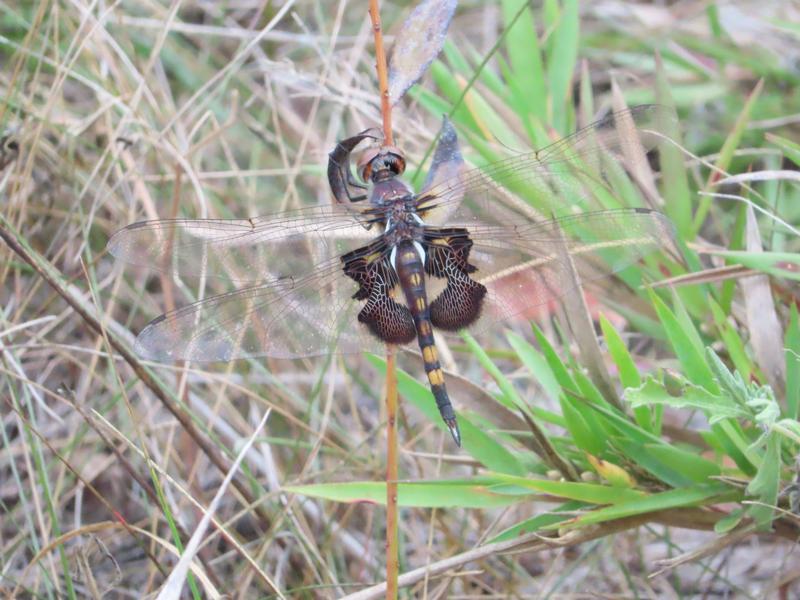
(389, 192)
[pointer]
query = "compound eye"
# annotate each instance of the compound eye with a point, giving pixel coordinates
(364, 167)
(397, 163)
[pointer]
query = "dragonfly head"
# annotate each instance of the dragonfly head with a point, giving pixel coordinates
(380, 164)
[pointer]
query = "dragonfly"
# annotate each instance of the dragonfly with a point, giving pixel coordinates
(385, 265)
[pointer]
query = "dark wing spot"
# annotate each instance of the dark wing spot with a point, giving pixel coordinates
(386, 319)
(459, 304)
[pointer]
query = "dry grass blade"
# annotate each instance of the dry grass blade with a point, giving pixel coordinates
(766, 334)
(53, 278)
(202, 109)
(177, 577)
(713, 547)
(759, 176)
(535, 542)
(714, 275)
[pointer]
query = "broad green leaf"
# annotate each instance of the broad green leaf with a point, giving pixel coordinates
(433, 494)
(765, 484)
(716, 407)
(587, 389)
(685, 321)
(624, 427)
(583, 434)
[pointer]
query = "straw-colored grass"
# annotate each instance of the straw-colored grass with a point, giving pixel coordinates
(130, 111)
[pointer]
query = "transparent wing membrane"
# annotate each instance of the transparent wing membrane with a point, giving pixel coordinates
(536, 264)
(287, 318)
(568, 172)
(294, 299)
(243, 250)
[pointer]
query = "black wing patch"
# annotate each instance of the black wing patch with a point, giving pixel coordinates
(387, 319)
(447, 256)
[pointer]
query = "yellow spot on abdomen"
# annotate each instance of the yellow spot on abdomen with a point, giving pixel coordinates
(420, 304)
(429, 354)
(436, 377)
(425, 328)
(415, 279)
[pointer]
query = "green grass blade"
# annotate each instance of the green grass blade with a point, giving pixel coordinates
(561, 61)
(678, 498)
(684, 341)
(527, 79)
(432, 494)
(487, 449)
(726, 154)
(546, 520)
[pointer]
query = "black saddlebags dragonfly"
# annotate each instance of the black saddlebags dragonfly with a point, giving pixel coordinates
(386, 265)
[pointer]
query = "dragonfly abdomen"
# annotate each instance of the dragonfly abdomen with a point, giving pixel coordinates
(410, 270)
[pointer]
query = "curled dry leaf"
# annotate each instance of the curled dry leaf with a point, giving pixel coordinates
(419, 41)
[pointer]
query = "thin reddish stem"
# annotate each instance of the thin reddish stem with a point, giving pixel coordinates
(392, 558)
(383, 72)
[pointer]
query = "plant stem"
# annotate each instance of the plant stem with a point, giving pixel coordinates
(392, 559)
(383, 73)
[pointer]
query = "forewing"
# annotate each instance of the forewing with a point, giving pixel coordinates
(308, 315)
(447, 165)
(567, 172)
(294, 299)
(260, 249)
(527, 266)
